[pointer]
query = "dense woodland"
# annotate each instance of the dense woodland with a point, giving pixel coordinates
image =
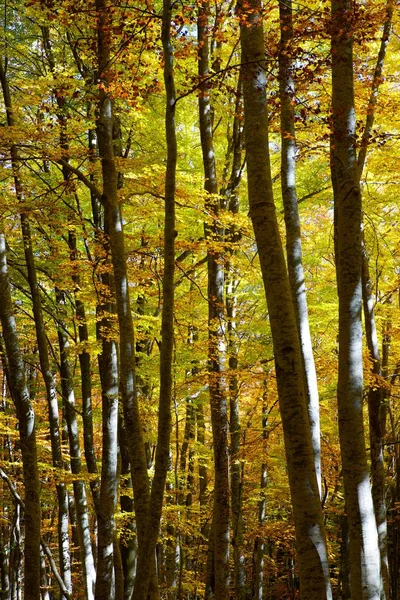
(199, 300)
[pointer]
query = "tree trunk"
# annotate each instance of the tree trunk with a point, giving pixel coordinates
(20, 395)
(364, 552)
(48, 376)
(105, 578)
(292, 222)
(128, 540)
(68, 397)
(376, 393)
(86, 380)
(27, 431)
(307, 512)
(216, 339)
(377, 426)
(114, 227)
(233, 172)
(259, 543)
(167, 323)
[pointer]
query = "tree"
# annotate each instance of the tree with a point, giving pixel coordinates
(310, 535)
(364, 552)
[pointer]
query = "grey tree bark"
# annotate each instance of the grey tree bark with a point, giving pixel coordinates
(292, 222)
(216, 339)
(364, 551)
(307, 512)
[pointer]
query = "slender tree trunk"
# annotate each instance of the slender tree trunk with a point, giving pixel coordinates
(377, 426)
(216, 339)
(233, 173)
(259, 544)
(27, 431)
(128, 541)
(52, 403)
(20, 395)
(292, 223)
(15, 555)
(167, 323)
(234, 421)
(376, 82)
(47, 374)
(105, 579)
(364, 552)
(68, 396)
(307, 512)
(4, 561)
(376, 410)
(114, 227)
(86, 380)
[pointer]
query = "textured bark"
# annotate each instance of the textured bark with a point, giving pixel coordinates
(203, 473)
(27, 432)
(364, 552)
(167, 323)
(307, 512)
(292, 222)
(216, 336)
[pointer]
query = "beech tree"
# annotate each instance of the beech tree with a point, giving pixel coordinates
(364, 552)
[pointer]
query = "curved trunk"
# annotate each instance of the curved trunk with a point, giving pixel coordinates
(292, 222)
(307, 512)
